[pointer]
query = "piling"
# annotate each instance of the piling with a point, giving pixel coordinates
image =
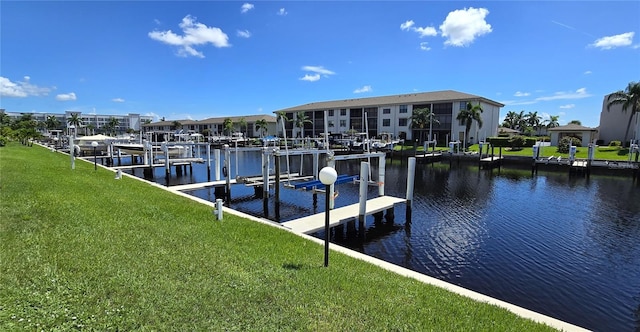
(216, 163)
(410, 184)
(225, 171)
(277, 185)
(381, 170)
(362, 197)
(208, 162)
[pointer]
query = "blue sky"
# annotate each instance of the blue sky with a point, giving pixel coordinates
(195, 60)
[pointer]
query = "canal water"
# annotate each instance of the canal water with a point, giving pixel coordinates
(564, 246)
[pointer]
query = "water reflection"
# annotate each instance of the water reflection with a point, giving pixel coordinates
(561, 245)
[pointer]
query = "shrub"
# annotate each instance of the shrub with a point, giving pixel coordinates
(517, 141)
(3, 141)
(563, 145)
(499, 141)
(615, 143)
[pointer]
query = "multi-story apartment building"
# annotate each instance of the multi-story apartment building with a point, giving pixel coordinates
(614, 122)
(392, 115)
(215, 126)
(90, 123)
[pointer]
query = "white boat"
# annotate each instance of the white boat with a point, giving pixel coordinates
(138, 149)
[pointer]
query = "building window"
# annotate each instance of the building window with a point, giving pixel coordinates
(386, 111)
(343, 123)
(330, 124)
(343, 112)
(386, 122)
(330, 112)
(403, 108)
(463, 105)
(402, 122)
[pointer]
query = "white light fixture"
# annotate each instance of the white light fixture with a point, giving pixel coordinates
(328, 176)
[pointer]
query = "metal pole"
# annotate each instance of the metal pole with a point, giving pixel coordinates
(364, 183)
(326, 229)
(381, 171)
(95, 160)
(410, 181)
(227, 162)
(216, 159)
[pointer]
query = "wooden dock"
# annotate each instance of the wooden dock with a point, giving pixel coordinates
(201, 185)
(314, 223)
(490, 162)
(428, 157)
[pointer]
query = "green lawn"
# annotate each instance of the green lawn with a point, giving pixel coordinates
(602, 152)
(81, 250)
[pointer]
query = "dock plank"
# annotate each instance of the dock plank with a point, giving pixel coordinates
(314, 223)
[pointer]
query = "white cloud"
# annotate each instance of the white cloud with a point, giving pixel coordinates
(282, 12)
(423, 32)
(521, 94)
(244, 33)
(426, 32)
(461, 27)
(310, 78)
(578, 94)
(194, 34)
(588, 72)
(117, 100)
(568, 106)
(66, 96)
(609, 42)
(21, 89)
(407, 25)
(157, 21)
(318, 70)
(246, 7)
(425, 46)
(366, 88)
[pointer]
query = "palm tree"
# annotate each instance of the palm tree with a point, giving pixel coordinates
(262, 126)
(575, 122)
(113, 124)
(243, 124)
(420, 118)
(91, 128)
(511, 120)
(553, 121)
(532, 119)
(301, 119)
(472, 113)
(227, 125)
(75, 120)
(630, 97)
(176, 124)
(52, 122)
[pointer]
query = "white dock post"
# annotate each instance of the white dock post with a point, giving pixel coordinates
(208, 161)
(216, 163)
(332, 163)
(225, 171)
(381, 171)
(167, 166)
(265, 173)
(218, 210)
(315, 165)
(72, 153)
(364, 184)
(410, 182)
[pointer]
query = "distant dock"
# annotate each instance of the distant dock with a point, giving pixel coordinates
(316, 222)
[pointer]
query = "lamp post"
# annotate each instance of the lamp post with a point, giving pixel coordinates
(328, 176)
(95, 159)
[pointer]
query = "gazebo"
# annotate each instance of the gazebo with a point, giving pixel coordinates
(585, 134)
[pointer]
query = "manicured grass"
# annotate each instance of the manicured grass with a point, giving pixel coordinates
(602, 153)
(81, 250)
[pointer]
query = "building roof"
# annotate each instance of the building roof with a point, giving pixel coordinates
(218, 120)
(411, 98)
(572, 127)
(247, 118)
(507, 130)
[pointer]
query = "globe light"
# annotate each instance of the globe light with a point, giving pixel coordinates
(328, 176)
